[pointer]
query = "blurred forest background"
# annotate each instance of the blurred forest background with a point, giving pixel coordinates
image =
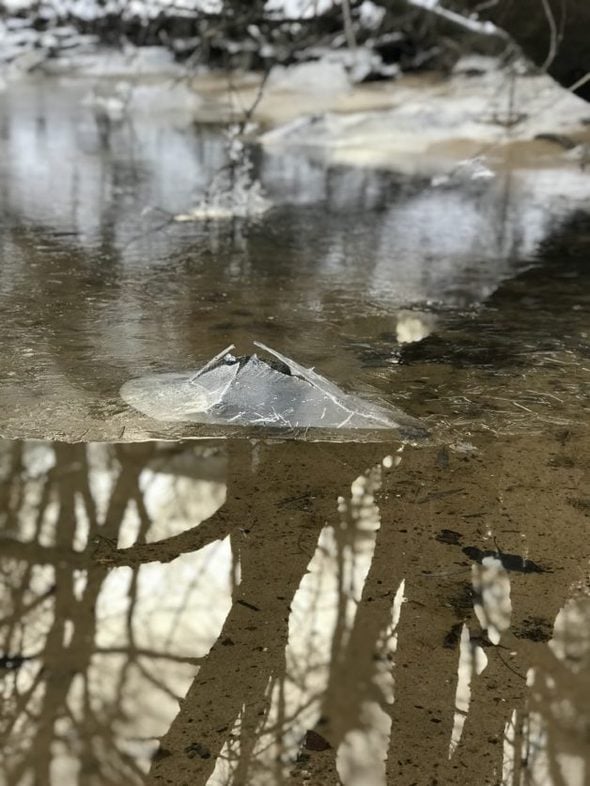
(377, 39)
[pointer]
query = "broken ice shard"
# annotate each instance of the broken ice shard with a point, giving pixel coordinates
(253, 391)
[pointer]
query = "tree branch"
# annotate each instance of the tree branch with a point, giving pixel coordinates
(218, 527)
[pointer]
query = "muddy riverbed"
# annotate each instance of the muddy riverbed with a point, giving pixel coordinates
(261, 607)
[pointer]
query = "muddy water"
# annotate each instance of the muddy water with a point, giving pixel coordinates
(264, 611)
(98, 285)
(295, 613)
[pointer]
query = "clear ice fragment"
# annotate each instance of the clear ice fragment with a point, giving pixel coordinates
(253, 391)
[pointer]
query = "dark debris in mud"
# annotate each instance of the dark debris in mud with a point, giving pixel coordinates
(461, 602)
(449, 536)
(197, 749)
(453, 636)
(534, 629)
(315, 742)
(581, 503)
(510, 562)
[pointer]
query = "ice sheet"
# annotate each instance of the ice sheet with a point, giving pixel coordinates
(253, 391)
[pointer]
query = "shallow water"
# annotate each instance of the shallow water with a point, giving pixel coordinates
(98, 286)
(265, 612)
(329, 614)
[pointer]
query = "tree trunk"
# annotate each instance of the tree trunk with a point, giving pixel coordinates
(554, 34)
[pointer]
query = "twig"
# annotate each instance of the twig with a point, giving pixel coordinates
(484, 28)
(215, 528)
(348, 26)
(553, 41)
(140, 652)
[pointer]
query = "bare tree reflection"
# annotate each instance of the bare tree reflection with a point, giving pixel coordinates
(67, 695)
(233, 690)
(281, 613)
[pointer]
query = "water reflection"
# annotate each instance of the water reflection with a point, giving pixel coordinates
(95, 660)
(110, 186)
(237, 613)
(367, 275)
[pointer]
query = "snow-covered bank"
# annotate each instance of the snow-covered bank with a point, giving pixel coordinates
(93, 9)
(426, 124)
(372, 41)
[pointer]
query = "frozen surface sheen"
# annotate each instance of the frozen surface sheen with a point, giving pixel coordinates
(251, 391)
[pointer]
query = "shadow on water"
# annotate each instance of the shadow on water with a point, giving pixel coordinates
(528, 317)
(520, 362)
